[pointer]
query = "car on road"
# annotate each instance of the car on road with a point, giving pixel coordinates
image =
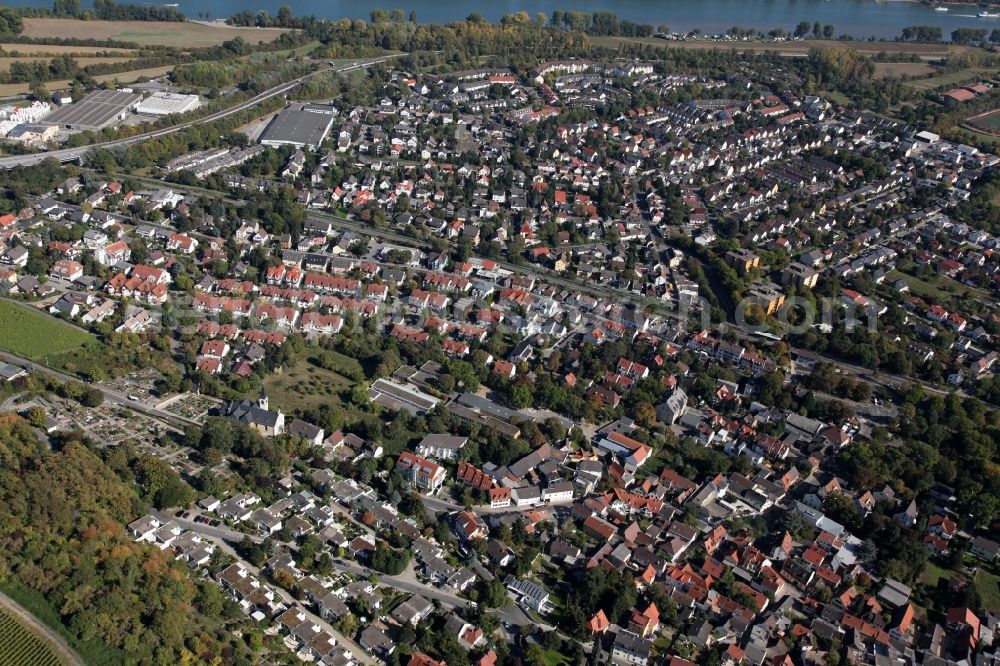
(215, 523)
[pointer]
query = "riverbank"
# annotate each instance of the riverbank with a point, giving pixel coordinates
(860, 19)
(797, 47)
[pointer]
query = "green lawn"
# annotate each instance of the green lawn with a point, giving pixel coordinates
(938, 287)
(933, 574)
(553, 658)
(33, 334)
(918, 286)
(988, 586)
(835, 97)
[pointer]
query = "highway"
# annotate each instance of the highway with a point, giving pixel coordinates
(75, 154)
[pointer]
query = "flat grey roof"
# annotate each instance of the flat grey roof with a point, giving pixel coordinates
(306, 125)
(95, 111)
(394, 395)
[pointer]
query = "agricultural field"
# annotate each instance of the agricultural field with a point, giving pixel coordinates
(187, 34)
(886, 70)
(35, 335)
(21, 646)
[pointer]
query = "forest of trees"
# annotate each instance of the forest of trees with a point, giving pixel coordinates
(922, 33)
(62, 536)
(10, 21)
(108, 10)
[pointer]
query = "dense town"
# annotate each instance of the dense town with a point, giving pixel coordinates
(596, 361)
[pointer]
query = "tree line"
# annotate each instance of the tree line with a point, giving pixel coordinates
(106, 10)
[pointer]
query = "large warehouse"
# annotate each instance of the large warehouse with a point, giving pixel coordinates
(300, 125)
(95, 111)
(165, 103)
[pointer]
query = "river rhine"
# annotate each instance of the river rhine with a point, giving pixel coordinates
(858, 18)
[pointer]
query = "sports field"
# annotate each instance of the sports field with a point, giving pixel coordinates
(991, 121)
(32, 334)
(186, 34)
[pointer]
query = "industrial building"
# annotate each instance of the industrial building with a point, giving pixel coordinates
(165, 103)
(96, 111)
(32, 133)
(300, 125)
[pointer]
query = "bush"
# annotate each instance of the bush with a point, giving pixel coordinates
(390, 561)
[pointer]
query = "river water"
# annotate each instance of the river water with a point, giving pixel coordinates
(858, 18)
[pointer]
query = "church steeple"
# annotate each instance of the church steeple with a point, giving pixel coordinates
(262, 400)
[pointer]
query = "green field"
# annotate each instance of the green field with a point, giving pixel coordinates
(937, 287)
(33, 334)
(993, 121)
(933, 574)
(306, 385)
(20, 646)
(835, 97)
(988, 586)
(553, 658)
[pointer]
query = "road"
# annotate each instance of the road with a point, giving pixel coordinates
(223, 538)
(59, 645)
(75, 154)
(885, 380)
(546, 275)
(406, 581)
